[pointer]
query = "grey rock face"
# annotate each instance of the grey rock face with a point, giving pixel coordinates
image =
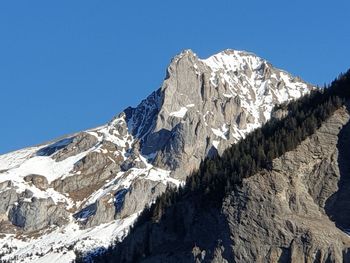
(8, 198)
(89, 172)
(37, 214)
(337, 205)
(207, 103)
(133, 161)
(91, 163)
(280, 216)
(6, 184)
(80, 143)
(139, 195)
(85, 183)
(104, 212)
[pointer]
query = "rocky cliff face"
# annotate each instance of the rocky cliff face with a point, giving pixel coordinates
(206, 105)
(286, 215)
(292, 213)
(84, 190)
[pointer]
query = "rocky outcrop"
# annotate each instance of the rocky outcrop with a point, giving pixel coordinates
(104, 212)
(38, 181)
(90, 173)
(35, 214)
(139, 194)
(80, 143)
(8, 198)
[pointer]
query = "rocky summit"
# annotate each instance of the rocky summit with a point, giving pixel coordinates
(83, 191)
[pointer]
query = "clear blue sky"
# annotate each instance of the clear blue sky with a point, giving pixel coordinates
(70, 65)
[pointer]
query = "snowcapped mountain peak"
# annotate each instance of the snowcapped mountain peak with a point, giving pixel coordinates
(234, 60)
(232, 89)
(100, 179)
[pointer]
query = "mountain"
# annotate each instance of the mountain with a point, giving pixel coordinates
(83, 191)
(289, 204)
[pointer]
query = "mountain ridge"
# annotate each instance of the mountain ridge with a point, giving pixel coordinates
(103, 177)
(291, 209)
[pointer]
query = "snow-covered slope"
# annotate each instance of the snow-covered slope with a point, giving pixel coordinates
(259, 87)
(82, 192)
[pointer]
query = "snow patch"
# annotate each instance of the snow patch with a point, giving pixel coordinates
(42, 165)
(222, 133)
(216, 144)
(54, 244)
(180, 113)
